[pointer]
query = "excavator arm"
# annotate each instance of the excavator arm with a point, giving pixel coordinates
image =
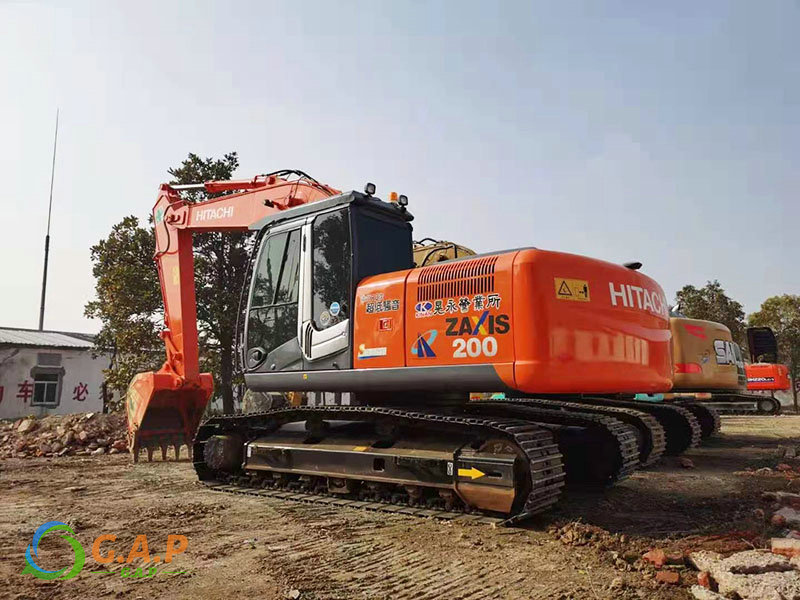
(165, 407)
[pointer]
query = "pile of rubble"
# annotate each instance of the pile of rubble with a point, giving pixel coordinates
(749, 575)
(60, 435)
(788, 469)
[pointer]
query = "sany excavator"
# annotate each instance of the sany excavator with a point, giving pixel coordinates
(710, 368)
(334, 304)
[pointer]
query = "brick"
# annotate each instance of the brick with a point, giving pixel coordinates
(704, 579)
(786, 546)
(671, 577)
(656, 556)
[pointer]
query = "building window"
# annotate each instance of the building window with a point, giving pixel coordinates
(45, 389)
(47, 377)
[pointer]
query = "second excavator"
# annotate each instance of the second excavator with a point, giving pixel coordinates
(335, 304)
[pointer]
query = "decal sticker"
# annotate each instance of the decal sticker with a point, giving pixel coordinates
(462, 304)
(697, 331)
(423, 309)
(335, 308)
(484, 324)
(473, 347)
(205, 214)
(376, 303)
(325, 317)
(364, 352)
(633, 296)
(760, 379)
(725, 352)
(576, 290)
(385, 324)
(423, 345)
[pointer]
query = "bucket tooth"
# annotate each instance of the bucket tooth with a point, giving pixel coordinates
(135, 453)
(164, 448)
(177, 450)
(149, 453)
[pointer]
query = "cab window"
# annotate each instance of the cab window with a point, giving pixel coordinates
(330, 282)
(272, 320)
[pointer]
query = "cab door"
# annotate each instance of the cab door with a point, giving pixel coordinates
(326, 290)
(272, 317)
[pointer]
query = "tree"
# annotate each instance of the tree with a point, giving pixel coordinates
(128, 302)
(782, 315)
(129, 297)
(711, 303)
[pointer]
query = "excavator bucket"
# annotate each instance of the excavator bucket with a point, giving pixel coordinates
(162, 412)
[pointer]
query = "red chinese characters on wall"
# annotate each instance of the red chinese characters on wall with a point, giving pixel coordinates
(80, 392)
(25, 391)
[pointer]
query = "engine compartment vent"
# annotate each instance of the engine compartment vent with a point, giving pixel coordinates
(454, 279)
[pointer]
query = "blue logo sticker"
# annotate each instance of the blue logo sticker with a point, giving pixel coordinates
(422, 346)
(335, 308)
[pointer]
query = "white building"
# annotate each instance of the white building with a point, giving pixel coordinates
(48, 372)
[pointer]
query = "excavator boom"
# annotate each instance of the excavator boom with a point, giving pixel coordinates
(165, 407)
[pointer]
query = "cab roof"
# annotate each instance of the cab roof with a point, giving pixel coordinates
(390, 209)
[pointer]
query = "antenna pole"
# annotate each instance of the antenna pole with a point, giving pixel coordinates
(47, 237)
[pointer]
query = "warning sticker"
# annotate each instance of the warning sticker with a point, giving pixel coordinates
(571, 289)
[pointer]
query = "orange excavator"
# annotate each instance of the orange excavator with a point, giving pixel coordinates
(334, 304)
(765, 375)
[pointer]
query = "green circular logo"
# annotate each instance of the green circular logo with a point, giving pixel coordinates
(32, 551)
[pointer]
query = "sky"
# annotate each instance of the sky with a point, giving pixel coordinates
(667, 133)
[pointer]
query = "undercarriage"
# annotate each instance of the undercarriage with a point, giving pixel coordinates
(503, 460)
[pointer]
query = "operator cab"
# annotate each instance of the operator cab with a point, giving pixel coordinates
(308, 264)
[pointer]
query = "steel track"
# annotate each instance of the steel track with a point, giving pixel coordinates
(627, 445)
(653, 438)
(534, 442)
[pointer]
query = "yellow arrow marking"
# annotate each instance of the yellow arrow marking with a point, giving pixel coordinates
(472, 473)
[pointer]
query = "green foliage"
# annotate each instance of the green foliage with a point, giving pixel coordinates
(711, 303)
(129, 297)
(782, 315)
(128, 301)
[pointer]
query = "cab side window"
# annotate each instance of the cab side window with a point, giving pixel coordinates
(330, 286)
(273, 304)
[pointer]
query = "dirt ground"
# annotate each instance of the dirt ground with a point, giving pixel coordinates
(248, 547)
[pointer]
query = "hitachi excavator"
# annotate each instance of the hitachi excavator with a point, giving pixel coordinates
(335, 304)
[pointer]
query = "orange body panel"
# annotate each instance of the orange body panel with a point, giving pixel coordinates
(767, 376)
(705, 356)
(615, 339)
(547, 322)
(380, 334)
